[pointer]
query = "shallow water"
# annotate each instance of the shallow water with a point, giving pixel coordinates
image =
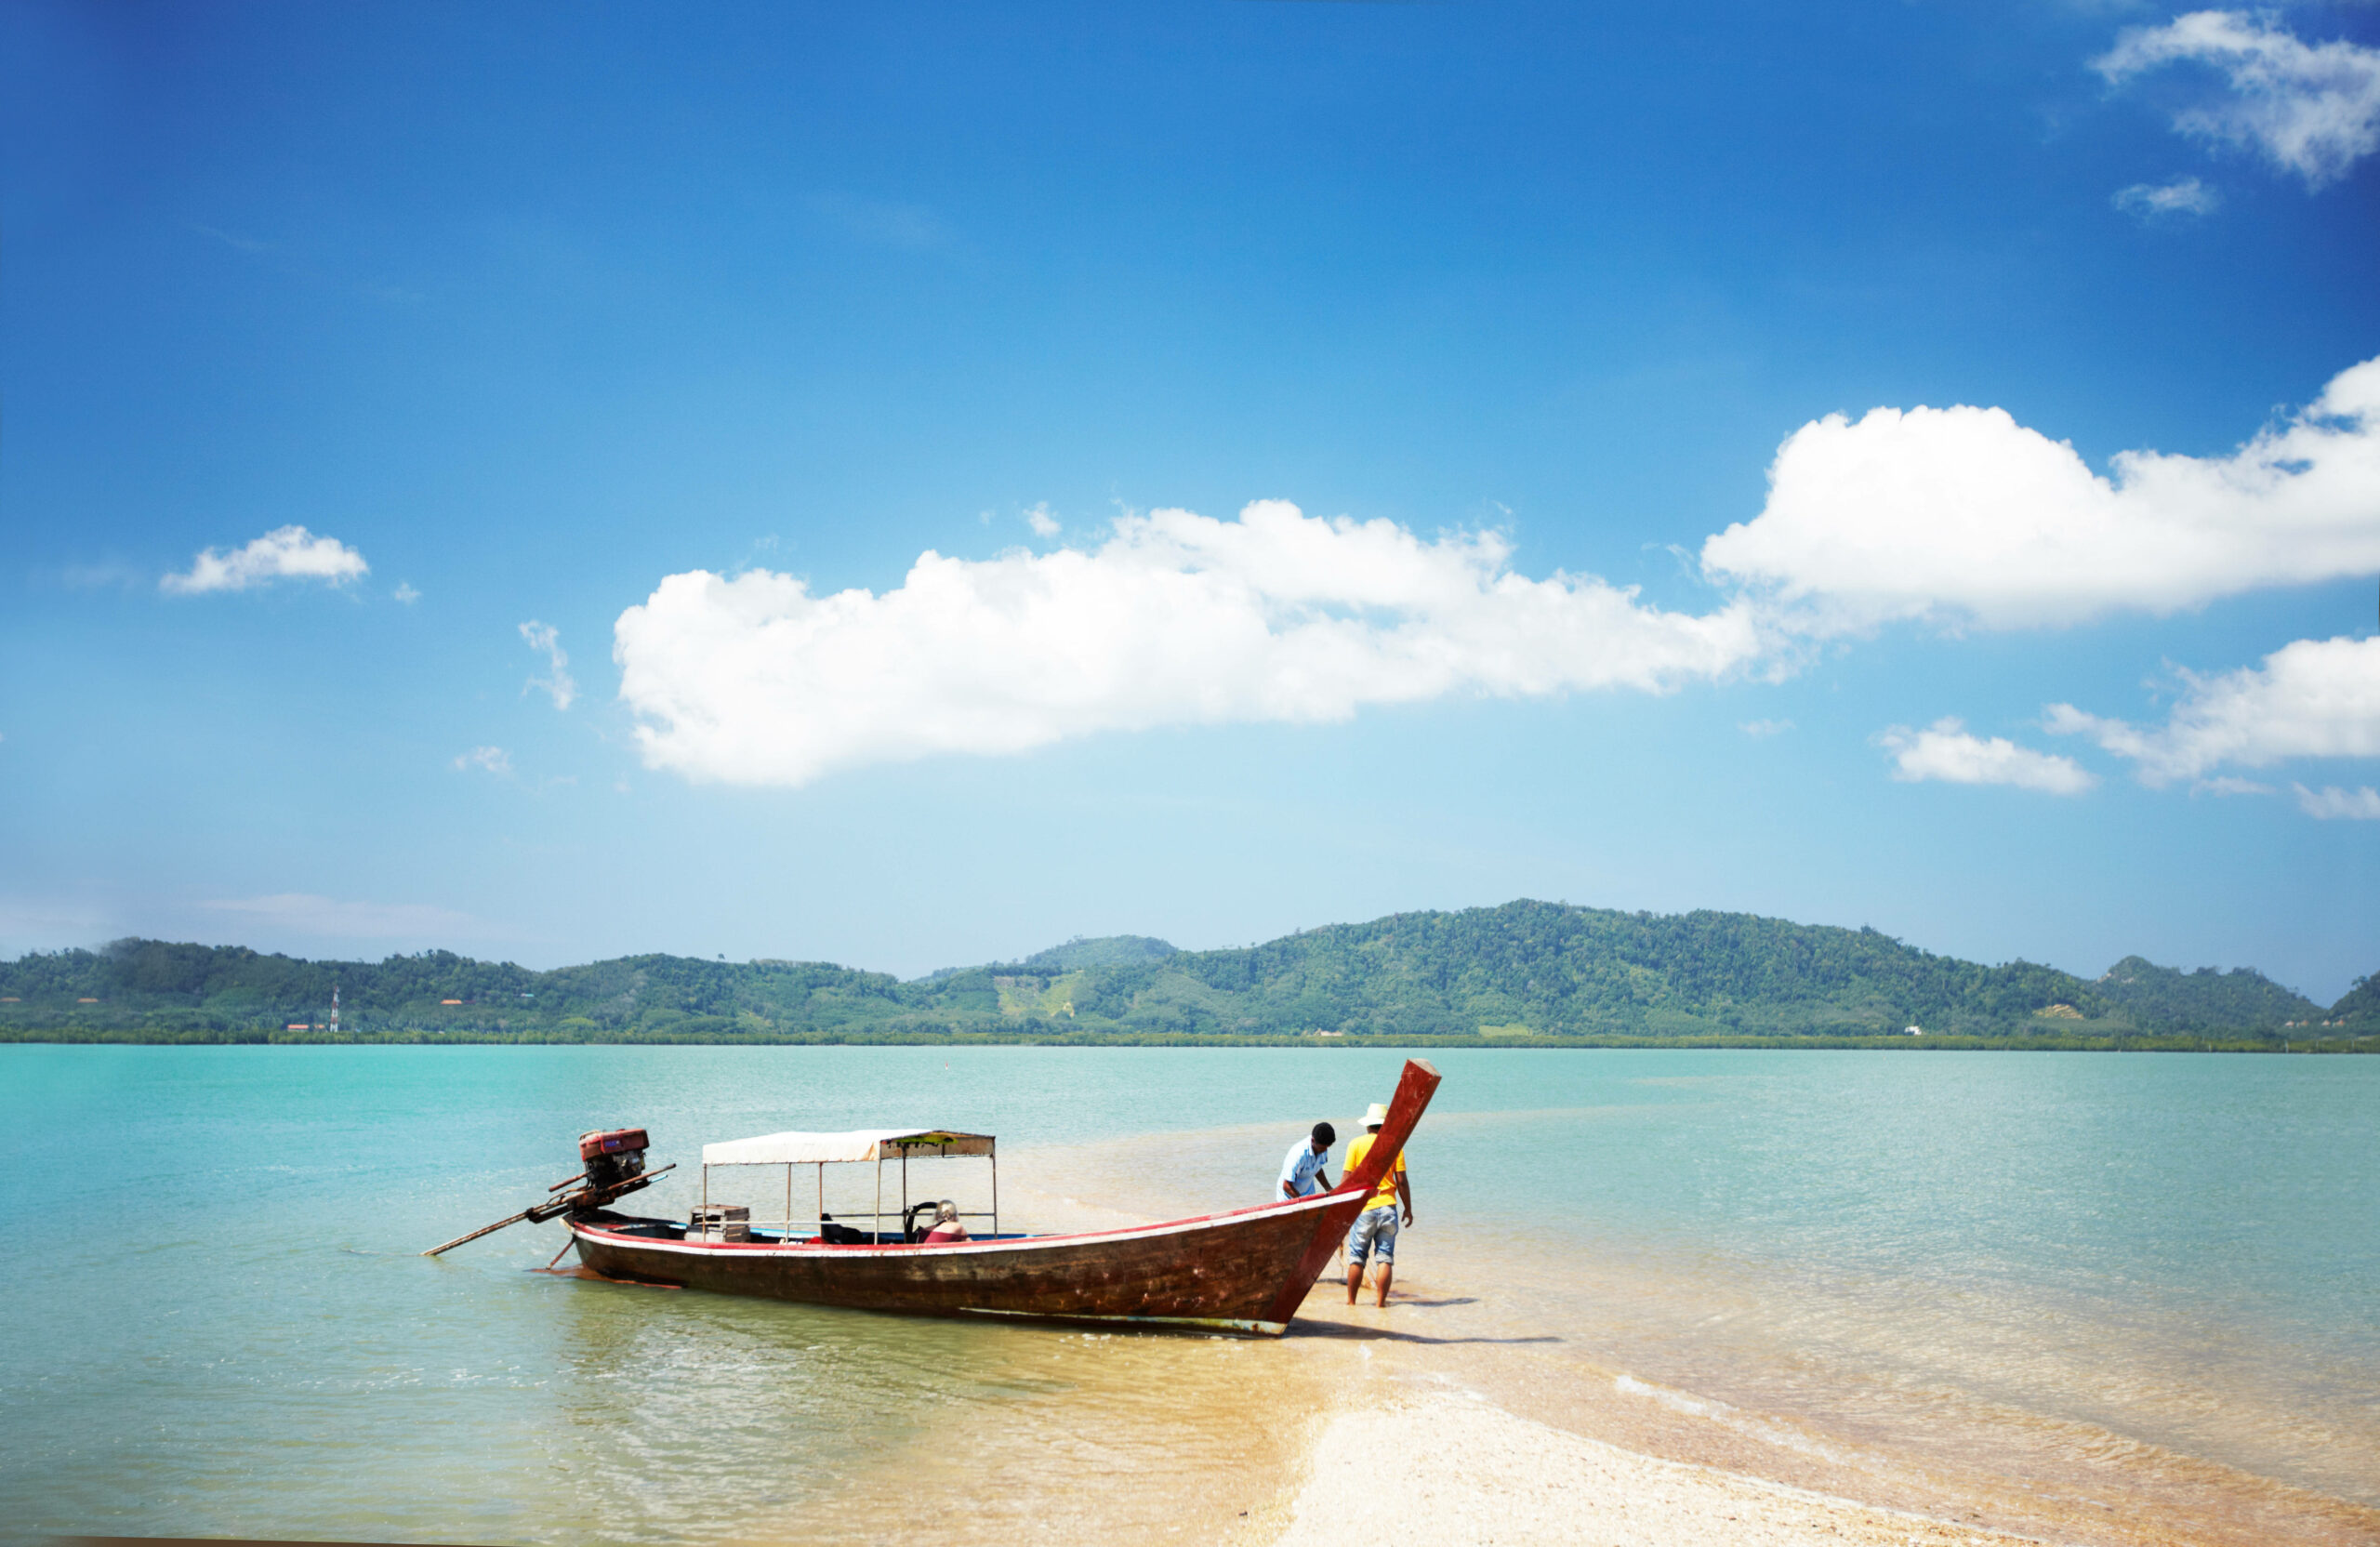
(2156, 1271)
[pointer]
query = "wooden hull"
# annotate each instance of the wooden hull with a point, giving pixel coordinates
(1230, 1271)
(1247, 1271)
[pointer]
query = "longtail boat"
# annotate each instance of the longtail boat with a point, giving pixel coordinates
(1245, 1271)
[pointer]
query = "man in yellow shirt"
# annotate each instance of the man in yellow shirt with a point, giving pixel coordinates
(1375, 1229)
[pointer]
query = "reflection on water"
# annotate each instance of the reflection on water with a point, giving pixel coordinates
(2040, 1286)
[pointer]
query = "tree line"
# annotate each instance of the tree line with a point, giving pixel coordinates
(1525, 969)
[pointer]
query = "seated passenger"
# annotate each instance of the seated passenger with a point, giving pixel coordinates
(945, 1226)
(832, 1234)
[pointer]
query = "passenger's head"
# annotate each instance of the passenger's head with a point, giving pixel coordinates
(948, 1213)
(1325, 1135)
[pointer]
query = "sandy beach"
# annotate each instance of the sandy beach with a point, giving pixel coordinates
(1451, 1427)
(1413, 1453)
(1516, 1390)
(1495, 1478)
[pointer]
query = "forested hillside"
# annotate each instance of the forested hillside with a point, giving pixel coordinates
(2361, 1005)
(1528, 968)
(2205, 999)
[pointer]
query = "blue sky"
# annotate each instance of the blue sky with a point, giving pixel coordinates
(1378, 456)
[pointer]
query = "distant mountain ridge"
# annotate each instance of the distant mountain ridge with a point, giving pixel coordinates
(1526, 969)
(1110, 951)
(2205, 999)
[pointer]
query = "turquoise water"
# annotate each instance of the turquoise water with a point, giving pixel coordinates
(218, 1324)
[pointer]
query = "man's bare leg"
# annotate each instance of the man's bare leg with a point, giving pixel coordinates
(1355, 1280)
(1387, 1271)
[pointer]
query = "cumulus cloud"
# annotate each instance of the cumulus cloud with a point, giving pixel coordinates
(547, 641)
(306, 914)
(1174, 618)
(495, 759)
(2182, 197)
(1945, 750)
(285, 553)
(1961, 516)
(1761, 728)
(2315, 699)
(2313, 109)
(406, 593)
(2332, 803)
(1044, 524)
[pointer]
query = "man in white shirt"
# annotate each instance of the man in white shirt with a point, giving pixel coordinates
(1302, 1172)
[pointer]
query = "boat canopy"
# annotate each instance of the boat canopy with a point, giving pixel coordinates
(864, 1144)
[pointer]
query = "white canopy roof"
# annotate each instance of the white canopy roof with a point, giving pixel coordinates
(862, 1144)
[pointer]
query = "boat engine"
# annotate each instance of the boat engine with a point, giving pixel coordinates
(614, 1162)
(612, 1157)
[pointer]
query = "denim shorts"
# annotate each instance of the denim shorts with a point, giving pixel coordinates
(1375, 1231)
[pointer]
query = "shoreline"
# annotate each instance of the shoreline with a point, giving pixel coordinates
(1623, 1371)
(1497, 1477)
(2230, 1042)
(1453, 1430)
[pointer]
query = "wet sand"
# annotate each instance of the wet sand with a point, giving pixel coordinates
(1493, 1477)
(1511, 1435)
(1514, 1391)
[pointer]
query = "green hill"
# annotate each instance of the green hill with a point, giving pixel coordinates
(1114, 950)
(1527, 969)
(2360, 1006)
(2203, 1000)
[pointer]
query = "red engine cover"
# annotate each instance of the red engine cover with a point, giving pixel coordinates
(613, 1143)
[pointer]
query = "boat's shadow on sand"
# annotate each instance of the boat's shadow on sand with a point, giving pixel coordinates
(1310, 1325)
(1363, 1323)
(1387, 1334)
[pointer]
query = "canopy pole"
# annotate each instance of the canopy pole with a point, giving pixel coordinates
(995, 1153)
(876, 1223)
(822, 1201)
(904, 1192)
(788, 1203)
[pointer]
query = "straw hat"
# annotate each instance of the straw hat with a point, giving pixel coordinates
(1377, 1115)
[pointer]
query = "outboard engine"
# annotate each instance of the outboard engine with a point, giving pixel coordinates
(614, 1167)
(612, 1157)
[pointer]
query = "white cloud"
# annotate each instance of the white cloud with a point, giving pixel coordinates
(1044, 524)
(547, 640)
(106, 573)
(1945, 750)
(495, 759)
(406, 593)
(2332, 803)
(2228, 784)
(2314, 109)
(1963, 516)
(2182, 197)
(1760, 728)
(286, 554)
(304, 913)
(1175, 618)
(2315, 699)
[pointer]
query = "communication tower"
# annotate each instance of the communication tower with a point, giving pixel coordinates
(333, 1009)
